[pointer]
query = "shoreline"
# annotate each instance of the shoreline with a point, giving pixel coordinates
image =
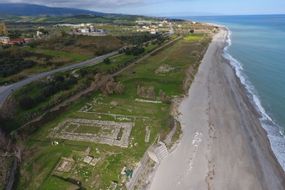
(223, 145)
(257, 110)
(273, 130)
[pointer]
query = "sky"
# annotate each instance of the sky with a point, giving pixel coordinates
(170, 7)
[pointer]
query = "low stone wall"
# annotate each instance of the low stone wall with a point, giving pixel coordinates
(102, 137)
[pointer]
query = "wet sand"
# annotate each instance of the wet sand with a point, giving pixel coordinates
(223, 146)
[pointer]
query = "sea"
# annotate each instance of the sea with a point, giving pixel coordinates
(256, 49)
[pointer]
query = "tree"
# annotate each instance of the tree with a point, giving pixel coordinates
(26, 102)
(3, 29)
(107, 61)
(163, 97)
(15, 34)
(43, 31)
(137, 50)
(119, 88)
(146, 92)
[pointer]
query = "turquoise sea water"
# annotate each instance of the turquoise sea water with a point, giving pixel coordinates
(257, 51)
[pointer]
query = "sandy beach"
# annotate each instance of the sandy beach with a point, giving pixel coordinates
(223, 146)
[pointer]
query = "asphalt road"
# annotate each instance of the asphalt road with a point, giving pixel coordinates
(5, 91)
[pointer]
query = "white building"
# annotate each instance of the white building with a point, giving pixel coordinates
(84, 30)
(144, 22)
(153, 31)
(39, 34)
(4, 40)
(165, 22)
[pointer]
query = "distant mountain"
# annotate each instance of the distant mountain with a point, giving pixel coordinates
(21, 9)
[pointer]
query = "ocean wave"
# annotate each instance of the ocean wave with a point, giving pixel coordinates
(274, 132)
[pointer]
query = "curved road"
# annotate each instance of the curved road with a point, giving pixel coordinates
(5, 91)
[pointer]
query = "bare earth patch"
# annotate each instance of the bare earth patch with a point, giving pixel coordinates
(164, 69)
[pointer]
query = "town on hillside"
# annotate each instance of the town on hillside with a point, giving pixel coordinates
(85, 29)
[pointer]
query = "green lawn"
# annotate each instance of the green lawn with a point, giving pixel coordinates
(117, 62)
(194, 37)
(57, 59)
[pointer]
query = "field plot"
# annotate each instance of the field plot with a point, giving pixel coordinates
(103, 132)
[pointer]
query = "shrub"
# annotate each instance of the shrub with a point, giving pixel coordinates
(26, 102)
(134, 51)
(107, 61)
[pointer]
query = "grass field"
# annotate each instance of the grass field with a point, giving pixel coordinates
(71, 57)
(34, 89)
(116, 62)
(43, 156)
(58, 58)
(48, 54)
(194, 37)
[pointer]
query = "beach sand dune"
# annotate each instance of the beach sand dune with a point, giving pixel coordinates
(223, 145)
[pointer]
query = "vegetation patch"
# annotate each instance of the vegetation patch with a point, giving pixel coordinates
(37, 97)
(194, 37)
(82, 45)
(150, 117)
(64, 55)
(15, 60)
(45, 54)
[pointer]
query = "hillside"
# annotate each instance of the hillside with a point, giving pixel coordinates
(20, 9)
(30, 13)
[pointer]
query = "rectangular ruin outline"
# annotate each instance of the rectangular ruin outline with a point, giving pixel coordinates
(115, 115)
(89, 137)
